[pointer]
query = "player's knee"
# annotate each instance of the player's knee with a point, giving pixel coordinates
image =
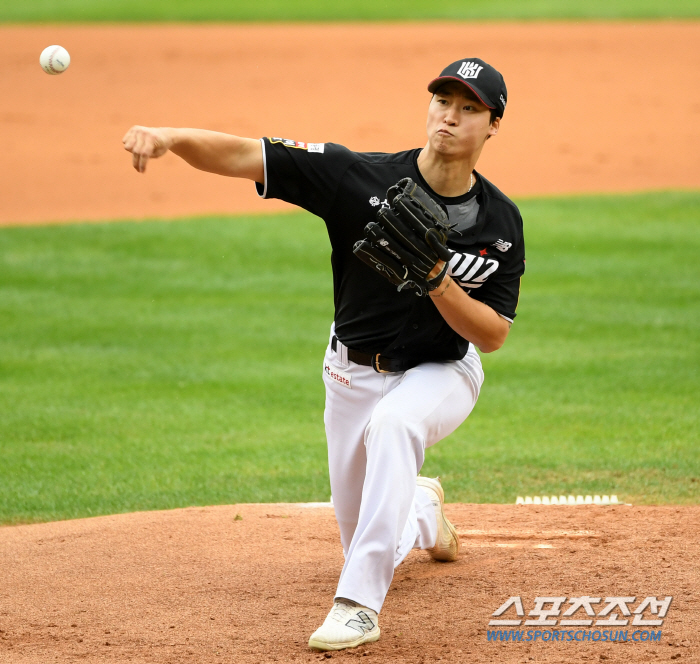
(385, 419)
(388, 424)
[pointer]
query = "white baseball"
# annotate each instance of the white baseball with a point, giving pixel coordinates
(54, 59)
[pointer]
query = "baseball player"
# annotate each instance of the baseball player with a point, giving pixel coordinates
(427, 257)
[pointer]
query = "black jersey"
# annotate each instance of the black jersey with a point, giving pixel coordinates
(346, 189)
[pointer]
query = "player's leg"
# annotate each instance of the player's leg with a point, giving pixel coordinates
(428, 502)
(426, 404)
(352, 393)
(347, 411)
(353, 619)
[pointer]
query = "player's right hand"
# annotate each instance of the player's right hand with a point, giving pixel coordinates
(146, 143)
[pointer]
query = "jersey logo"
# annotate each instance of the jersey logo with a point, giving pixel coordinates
(374, 201)
(501, 245)
(341, 377)
(471, 271)
(288, 142)
(469, 70)
(301, 145)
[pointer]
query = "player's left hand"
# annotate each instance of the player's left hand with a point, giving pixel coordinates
(407, 243)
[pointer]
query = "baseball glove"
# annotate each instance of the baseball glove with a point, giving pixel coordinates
(408, 239)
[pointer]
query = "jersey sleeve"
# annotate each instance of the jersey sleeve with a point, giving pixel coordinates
(304, 174)
(502, 291)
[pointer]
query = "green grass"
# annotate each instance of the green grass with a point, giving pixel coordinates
(340, 10)
(161, 364)
(149, 365)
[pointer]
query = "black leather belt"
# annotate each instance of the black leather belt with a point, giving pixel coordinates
(377, 362)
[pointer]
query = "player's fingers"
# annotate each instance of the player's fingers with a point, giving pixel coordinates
(139, 161)
(144, 145)
(128, 142)
(138, 144)
(144, 152)
(149, 145)
(130, 138)
(134, 144)
(135, 138)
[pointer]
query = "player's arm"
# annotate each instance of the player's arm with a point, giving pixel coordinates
(471, 319)
(211, 151)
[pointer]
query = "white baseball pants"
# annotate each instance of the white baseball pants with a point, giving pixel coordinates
(378, 427)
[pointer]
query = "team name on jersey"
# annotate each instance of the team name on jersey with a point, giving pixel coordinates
(471, 271)
(300, 145)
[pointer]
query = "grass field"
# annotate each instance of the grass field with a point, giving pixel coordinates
(170, 363)
(340, 10)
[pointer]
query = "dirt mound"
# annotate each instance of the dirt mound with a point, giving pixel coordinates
(249, 583)
(592, 107)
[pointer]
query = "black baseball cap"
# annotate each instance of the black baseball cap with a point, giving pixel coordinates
(481, 78)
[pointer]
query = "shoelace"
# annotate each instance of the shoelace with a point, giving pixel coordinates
(341, 611)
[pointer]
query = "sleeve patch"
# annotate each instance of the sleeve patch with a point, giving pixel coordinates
(300, 145)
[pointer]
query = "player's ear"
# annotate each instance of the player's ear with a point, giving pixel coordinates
(493, 129)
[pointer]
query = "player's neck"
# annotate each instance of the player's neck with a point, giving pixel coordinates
(446, 176)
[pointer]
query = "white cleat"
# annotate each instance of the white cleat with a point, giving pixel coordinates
(348, 625)
(446, 546)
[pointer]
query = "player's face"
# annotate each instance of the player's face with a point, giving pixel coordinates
(458, 123)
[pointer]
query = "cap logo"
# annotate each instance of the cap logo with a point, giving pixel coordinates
(503, 101)
(469, 70)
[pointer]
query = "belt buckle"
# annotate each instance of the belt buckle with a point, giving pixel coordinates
(375, 364)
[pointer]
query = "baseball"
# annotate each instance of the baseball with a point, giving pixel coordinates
(54, 59)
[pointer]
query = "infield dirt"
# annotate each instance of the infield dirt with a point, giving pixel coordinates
(592, 107)
(249, 583)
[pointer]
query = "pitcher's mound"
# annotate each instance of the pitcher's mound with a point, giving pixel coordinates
(250, 583)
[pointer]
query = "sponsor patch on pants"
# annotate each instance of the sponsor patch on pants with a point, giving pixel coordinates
(345, 379)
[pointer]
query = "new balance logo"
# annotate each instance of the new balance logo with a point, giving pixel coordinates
(469, 70)
(385, 243)
(502, 246)
(363, 623)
